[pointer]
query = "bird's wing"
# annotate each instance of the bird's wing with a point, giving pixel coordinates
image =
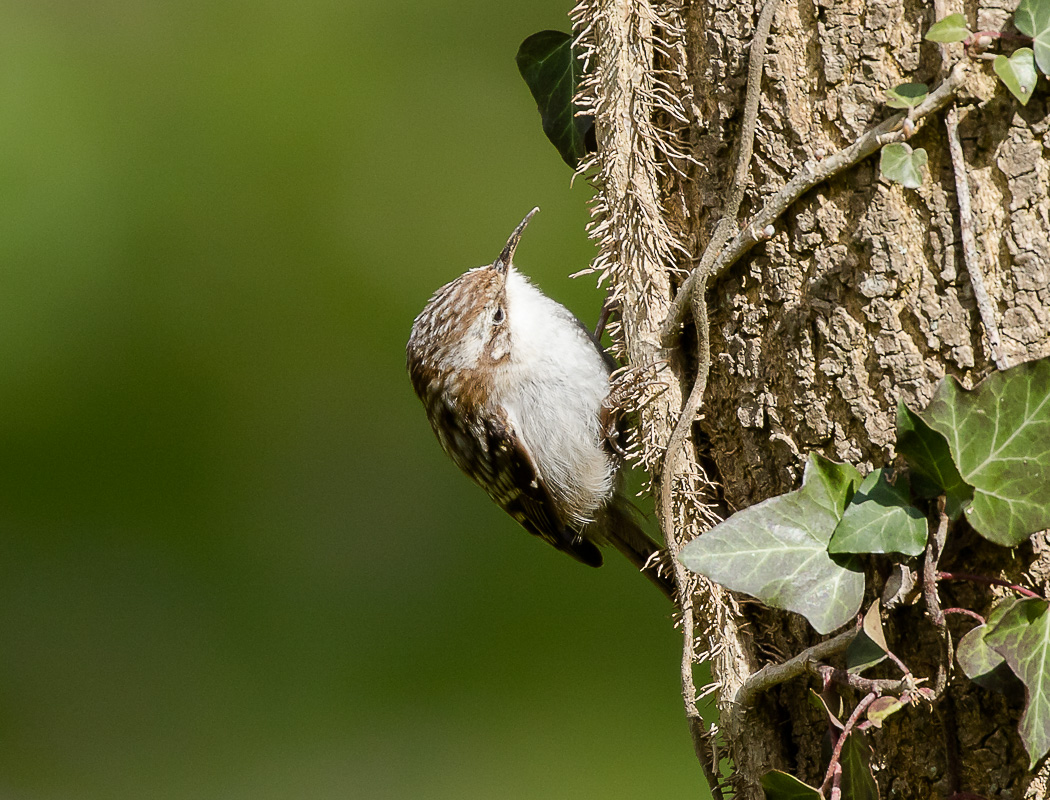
(523, 495)
(507, 472)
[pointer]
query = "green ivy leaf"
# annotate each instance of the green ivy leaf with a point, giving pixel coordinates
(1022, 637)
(933, 470)
(857, 780)
(907, 95)
(777, 550)
(880, 519)
(777, 785)
(1032, 18)
(882, 707)
(549, 66)
(952, 28)
(999, 436)
(979, 662)
(869, 646)
(900, 164)
(1017, 73)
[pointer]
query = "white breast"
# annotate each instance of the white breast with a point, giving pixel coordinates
(552, 388)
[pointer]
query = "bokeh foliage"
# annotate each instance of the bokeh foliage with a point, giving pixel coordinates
(233, 561)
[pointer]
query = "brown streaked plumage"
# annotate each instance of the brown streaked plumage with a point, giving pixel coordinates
(515, 388)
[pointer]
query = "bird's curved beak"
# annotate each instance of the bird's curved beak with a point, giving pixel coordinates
(503, 262)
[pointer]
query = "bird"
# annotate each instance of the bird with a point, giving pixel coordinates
(517, 391)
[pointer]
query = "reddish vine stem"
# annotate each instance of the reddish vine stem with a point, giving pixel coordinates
(862, 706)
(968, 42)
(934, 548)
(965, 611)
(965, 576)
(900, 664)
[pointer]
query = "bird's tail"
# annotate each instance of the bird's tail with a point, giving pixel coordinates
(647, 556)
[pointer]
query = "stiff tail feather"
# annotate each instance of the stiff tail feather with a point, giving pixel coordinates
(646, 555)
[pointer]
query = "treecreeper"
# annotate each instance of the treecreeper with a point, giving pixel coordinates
(517, 391)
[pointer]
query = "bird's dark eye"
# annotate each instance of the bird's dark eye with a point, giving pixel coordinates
(497, 316)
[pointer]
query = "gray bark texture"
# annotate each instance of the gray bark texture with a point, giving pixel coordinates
(860, 297)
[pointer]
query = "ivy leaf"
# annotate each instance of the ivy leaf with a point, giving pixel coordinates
(900, 164)
(933, 470)
(1022, 637)
(869, 646)
(1032, 18)
(857, 780)
(777, 785)
(819, 702)
(880, 519)
(979, 662)
(907, 95)
(999, 436)
(882, 707)
(549, 66)
(952, 28)
(777, 550)
(1017, 73)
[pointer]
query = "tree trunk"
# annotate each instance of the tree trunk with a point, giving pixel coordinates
(859, 297)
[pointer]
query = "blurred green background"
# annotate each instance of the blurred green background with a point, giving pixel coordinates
(233, 561)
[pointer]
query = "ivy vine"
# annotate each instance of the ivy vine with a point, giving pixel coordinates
(1018, 72)
(978, 458)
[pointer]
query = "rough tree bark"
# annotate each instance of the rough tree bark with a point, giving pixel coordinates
(859, 297)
